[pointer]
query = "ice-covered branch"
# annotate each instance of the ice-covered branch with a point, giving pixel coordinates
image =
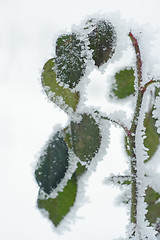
(113, 119)
(118, 179)
(132, 142)
(140, 228)
(127, 131)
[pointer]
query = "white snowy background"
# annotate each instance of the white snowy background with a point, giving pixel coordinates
(27, 32)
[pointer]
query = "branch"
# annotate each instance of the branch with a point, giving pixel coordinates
(139, 64)
(127, 131)
(119, 179)
(139, 74)
(149, 83)
(138, 56)
(132, 144)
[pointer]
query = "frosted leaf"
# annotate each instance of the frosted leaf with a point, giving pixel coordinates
(85, 138)
(56, 92)
(156, 113)
(72, 166)
(53, 164)
(124, 83)
(69, 63)
(153, 179)
(102, 40)
(57, 208)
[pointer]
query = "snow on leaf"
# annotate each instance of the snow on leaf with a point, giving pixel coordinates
(54, 91)
(58, 207)
(86, 138)
(152, 139)
(102, 41)
(151, 196)
(156, 112)
(153, 213)
(53, 164)
(69, 62)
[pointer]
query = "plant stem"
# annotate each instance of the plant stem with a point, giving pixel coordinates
(127, 131)
(133, 130)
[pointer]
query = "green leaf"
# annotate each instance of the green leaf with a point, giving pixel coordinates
(151, 196)
(102, 41)
(54, 91)
(58, 207)
(86, 138)
(70, 63)
(53, 164)
(153, 208)
(124, 83)
(80, 170)
(152, 140)
(68, 139)
(157, 91)
(153, 213)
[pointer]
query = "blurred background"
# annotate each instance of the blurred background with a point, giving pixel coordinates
(28, 30)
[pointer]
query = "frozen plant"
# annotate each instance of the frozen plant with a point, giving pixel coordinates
(99, 43)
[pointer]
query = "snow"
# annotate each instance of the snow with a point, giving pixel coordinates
(141, 228)
(123, 47)
(27, 119)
